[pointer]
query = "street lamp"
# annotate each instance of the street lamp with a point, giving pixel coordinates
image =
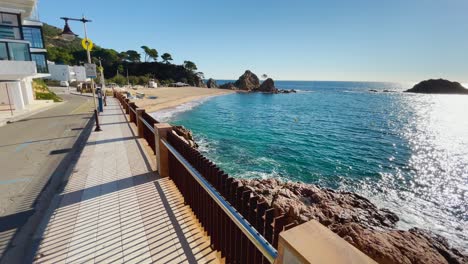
(68, 35)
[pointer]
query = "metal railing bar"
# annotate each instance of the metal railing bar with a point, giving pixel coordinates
(260, 243)
(147, 125)
(133, 110)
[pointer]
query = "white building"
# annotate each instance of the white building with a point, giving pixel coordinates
(22, 52)
(60, 72)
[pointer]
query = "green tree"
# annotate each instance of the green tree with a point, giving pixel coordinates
(59, 55)
(118, 79)
(190, 66)
(166, 58)
(145, 50)
(120, 69)
(153, 54)
(131, 56)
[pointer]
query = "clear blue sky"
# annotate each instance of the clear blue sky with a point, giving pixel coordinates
(380, 40)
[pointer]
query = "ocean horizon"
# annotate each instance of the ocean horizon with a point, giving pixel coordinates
(405, 152)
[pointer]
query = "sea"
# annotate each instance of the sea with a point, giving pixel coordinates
(405, 152)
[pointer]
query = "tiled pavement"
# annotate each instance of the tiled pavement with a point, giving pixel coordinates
(116, 209)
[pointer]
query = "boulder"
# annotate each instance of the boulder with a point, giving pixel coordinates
(186, 135)
(268, 86)
(248, 81)
(439, 86)
(198, 82)
(228, 85)
(357, 220)
(211, 83)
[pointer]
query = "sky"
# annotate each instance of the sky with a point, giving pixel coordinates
(358, 40)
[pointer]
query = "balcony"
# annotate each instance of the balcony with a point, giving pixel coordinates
(15, 70)
(15, 60)
(14, 50)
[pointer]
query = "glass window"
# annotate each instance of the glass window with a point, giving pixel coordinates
(41, 63)
(9, 19)
(10, 32)
(3, 51)
(34, 36)
(19, 51)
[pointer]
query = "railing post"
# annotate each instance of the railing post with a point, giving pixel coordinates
(127, 110)
(162, 154)
(311, 242)
(140, 124)
(131, 105)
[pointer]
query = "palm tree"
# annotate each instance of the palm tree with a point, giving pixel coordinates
(166, 58)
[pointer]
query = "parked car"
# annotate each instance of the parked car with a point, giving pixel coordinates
(64, 84)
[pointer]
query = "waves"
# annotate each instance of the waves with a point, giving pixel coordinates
(166, 115)
(406, 153)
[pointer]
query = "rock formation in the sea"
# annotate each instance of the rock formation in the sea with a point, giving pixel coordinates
(357, 220)
(186, 135)
(211, 83)
(247, 81)
(439, 86)
(268, 86)
(228, 85)
(287, 91)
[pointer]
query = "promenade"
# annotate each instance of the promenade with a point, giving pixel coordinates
(115, 208)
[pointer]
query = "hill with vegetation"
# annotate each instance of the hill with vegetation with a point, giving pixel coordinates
(116, 64)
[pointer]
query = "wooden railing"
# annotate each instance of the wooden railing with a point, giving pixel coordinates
(137, 115)
(242, 226)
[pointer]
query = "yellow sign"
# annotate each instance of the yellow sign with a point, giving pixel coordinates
(87, 44)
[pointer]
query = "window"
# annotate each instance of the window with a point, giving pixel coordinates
(41, 62)
(19, 51)
(3, 51)
(34, 36)
(9, 19)
(10, 32)
(9, 26)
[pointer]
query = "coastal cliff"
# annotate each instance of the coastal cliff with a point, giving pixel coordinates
(357, 220)
(439, 86)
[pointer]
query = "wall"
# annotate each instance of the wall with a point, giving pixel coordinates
(59, 72)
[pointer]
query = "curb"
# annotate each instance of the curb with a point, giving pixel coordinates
(86, 95)
(28, 114)
(27, 239)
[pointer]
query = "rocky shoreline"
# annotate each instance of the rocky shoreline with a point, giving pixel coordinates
(357, 220)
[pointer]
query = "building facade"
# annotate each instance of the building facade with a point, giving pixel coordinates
(23, 55)
(60, 72)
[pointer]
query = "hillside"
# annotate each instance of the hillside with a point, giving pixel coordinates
(117, 63)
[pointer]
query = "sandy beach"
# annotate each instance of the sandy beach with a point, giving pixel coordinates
(169, 97)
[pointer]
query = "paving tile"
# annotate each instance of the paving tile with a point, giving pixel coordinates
(111, 211)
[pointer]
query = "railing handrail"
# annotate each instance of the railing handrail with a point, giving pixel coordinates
(147, 125)
(259, 241)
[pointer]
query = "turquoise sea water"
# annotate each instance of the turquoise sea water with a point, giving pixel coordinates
(405, 152)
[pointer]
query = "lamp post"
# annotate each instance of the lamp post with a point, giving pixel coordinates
(68, 35)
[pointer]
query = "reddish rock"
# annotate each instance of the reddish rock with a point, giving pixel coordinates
(357, 220)
(247, 81)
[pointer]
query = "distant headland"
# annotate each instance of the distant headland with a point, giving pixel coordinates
(438, 86)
